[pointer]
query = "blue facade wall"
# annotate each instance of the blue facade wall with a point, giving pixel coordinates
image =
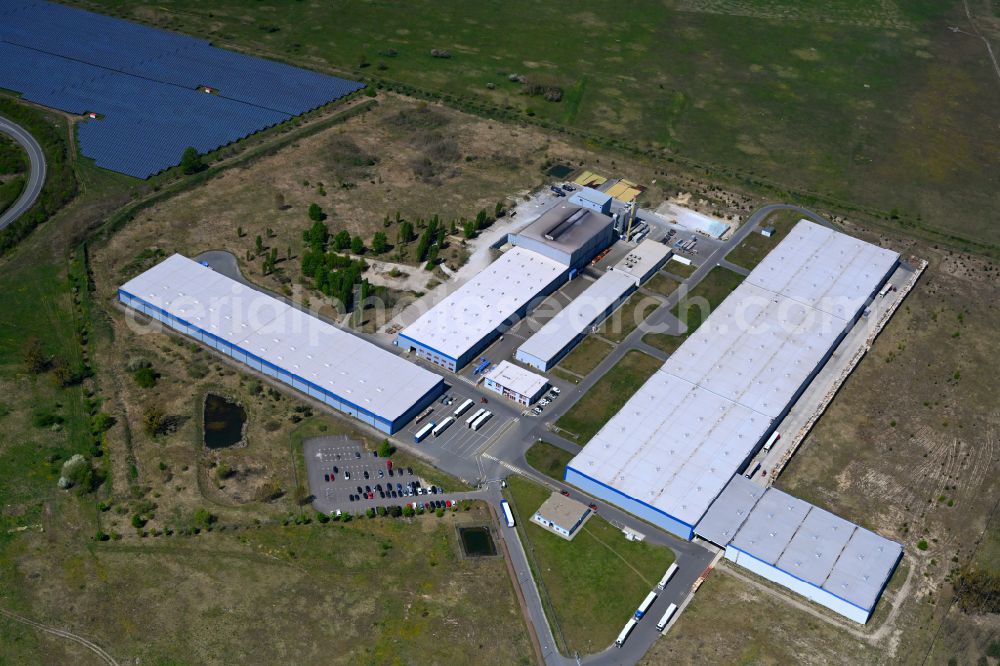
(281, 374)
(637, 508)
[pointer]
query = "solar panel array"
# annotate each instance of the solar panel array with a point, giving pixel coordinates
(144, 84)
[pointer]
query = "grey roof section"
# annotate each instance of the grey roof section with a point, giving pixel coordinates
(578, 316)
(586, 224)
(590, 196)
(818, 547)
(863, 568)
(677, 442)
(729, 511)
(642, 259)
(562, 511)
(477, 308)
(343, 364)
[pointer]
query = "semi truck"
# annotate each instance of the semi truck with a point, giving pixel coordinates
(464, 407)
(469, 421)
(623, 636)
(644, 606)
(481, 421)
(775, 436)
(669, 613)
(671, 570)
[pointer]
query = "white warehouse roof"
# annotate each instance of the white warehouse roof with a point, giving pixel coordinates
(678, 441)
(517, 379)
(642, 259)
(577, 316)
(343, 364)
(481, 305)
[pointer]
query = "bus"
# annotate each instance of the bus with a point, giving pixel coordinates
(644, 606)
(471, 419)
(671, 609)
(775, 436)
(441, 427)
(464, 407)
(423, 432)
(629, 626)
(506, 513)
(478, 423)
(671, 570)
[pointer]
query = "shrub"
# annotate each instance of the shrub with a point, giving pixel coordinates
(101, 536)
(922, 544)
(145, 377)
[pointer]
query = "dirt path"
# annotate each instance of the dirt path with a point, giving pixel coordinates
(62, 633)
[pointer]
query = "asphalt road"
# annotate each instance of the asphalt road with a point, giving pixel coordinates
(36, 179)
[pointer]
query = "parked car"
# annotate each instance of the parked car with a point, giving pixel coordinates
(564, 492)
(366, 474)
(593, 507)
(381, 474)
(326, 477)
(357, 455)
(409, 470)
(555, 390)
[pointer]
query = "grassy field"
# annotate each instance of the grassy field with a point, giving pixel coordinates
(13, 166)
(548, 459)
(755, 246)
(679, 269)
(628, 316)
(841, 100)
(695, 307)
(662, 284)
(586, 356)
(607, 396)
(591, 582)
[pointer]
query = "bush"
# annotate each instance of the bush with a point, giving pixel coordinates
(101, 536)
(370, 513)
(202, 518)
(138, 521)
(408, 512)
(145, 377)
(322, 517)
(922, 544)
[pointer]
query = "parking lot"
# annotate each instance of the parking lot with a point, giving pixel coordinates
(343, 475)
(458, 439)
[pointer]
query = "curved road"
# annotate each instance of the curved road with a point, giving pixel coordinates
(36, 178)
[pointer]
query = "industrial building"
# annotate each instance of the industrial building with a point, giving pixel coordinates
(559, 335)
(561, 515)
(595, 200)
(812, 552)
(515, 383)
(328, 364)
(669, 452)
(452, 332)
(567, 233)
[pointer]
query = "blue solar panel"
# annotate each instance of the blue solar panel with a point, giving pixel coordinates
(143, 82)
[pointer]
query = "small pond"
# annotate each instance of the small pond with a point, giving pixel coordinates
(224, 421)
(477, 541)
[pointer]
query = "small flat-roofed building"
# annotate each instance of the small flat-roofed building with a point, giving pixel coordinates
(767, 231)
(644, 260)
(452, 332)
(561, 515)
(588, 197)
(802, 547)
(515, 383)
(326, 363)
(567, 233)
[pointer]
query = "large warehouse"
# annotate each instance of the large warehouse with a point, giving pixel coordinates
(568, 234)
(810, 551)
(452, 332)
(320, 360)
(669, 452)
(561, 333)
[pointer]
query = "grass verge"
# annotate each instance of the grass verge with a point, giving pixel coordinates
(588, 584)
(755, 247)
(585, 357)
(548, 459)
(608, 395)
